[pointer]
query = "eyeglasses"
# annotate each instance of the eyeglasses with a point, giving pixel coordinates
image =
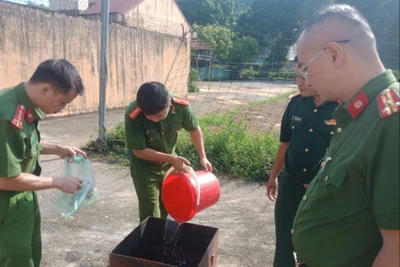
(303, 70)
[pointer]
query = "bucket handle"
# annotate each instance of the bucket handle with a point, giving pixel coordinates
(193, 174)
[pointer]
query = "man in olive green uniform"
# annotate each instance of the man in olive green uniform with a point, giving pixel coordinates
(306, 131)
(54, 84)
(349, 215)
(152, 123)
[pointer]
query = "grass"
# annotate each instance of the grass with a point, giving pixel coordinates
(230, 147)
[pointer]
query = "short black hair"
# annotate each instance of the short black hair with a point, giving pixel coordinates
(342, 12)
(152, 98)
(60, 74)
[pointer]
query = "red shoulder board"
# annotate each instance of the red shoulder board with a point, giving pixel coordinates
(19, 117)
(358, 104)
(388, 103)
(181, 101)
(135, 112)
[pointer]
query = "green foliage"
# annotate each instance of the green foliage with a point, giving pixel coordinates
(193, 77)
(383, 16)
(220, 38)
(249, 73)
(206, 12)
(275, 23)
(284, 74)
(231, 149)
(244, 49)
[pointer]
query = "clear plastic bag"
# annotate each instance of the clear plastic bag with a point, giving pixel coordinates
(68, 204)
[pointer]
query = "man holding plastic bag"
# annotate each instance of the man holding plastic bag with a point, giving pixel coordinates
(54, 84)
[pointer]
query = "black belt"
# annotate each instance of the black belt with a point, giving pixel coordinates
(300, 184)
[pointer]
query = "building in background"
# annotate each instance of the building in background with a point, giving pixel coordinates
(147, 45)
(35, 3)
(163, 16)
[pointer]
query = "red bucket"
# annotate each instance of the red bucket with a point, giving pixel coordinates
(185, 194)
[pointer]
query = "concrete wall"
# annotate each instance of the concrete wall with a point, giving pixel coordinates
(158, 15)
(68, 4)
(29, 36)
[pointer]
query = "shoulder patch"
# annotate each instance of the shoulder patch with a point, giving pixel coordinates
(135, 112)
(19, 117)
(388, 103)
(293, 95)
(181, 101)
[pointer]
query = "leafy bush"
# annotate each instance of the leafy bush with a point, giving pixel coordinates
(193, 77)
(229, 145)
(249, 73)
(282, 74)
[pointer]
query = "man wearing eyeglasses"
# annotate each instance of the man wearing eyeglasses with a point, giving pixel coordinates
(349, 215)
(306, 131)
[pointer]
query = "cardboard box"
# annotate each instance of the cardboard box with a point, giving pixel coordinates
(165, 243)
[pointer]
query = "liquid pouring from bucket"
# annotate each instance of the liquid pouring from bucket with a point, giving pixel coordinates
(186, 194)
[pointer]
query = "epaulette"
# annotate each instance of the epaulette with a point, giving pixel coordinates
(135, 112)
(388, 103)
(181, 101)
(19, 117)
(293, 95)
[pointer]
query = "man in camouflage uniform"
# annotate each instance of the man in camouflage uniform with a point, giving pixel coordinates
(306, 131)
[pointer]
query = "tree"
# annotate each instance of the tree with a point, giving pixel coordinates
(244, 49)
(276, 23)
(220, 38)
(383, 16)
(208, 12)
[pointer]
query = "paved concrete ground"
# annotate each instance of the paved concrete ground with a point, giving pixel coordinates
(243, 214)
(216, 96)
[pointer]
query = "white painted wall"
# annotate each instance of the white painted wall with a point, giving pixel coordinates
(68, 4)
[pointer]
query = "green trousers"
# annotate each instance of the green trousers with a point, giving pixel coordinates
(20, 240)
(148, 183)
(289, 197)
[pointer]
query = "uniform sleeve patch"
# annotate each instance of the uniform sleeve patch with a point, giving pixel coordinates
(19, 117)
(135, 112)
(388, 103)
(181, 101)
(331, 122)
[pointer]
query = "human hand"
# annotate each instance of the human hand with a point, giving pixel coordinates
(180, 163)
(69, 151)
(68, 184)
(206, 164)
(271, 188)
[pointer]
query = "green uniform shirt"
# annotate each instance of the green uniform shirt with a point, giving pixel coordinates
(356, 193)
(142, 133)
(309, 130)
(19, 148)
